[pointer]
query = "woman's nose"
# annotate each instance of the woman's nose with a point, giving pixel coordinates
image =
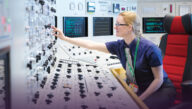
(115, 27)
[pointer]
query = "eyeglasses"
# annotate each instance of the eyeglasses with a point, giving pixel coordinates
(117, 24)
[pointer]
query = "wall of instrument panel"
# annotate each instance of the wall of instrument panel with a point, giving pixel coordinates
(38, 71)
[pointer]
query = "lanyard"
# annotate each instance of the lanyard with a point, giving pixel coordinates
(130, 68)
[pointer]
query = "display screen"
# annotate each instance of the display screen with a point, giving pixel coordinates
(153, 25)
(4, 79)
(75, 26)
(102, 26)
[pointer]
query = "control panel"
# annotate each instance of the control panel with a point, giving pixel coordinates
(77, 85)
(48, 74)
(5, 20)
(5, 100)
(40, 52)
(5, 31)
(89, 56)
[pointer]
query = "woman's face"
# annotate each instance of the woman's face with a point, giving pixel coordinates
(122, 29)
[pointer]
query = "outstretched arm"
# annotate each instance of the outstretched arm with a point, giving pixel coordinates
(81, 42)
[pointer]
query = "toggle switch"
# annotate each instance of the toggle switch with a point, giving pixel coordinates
(42, 2)
(97, 93)
(50, 95)
(34, 101)
(37, 94)
(29, 65)
(78, 64)
(82, 95)
(48, 101)
(66, 98)
(102, 107)
(113, 88)
(68, 76)
(96, 78)
(48, 70)
(84, 106)
(81, 91)
(53, 9)
(67, 93)
(109, 95)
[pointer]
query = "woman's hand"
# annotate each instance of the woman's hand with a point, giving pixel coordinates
(58, 33)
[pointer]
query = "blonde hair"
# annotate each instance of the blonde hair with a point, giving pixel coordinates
(131, 18)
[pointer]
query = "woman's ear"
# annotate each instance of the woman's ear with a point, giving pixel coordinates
(130, 27)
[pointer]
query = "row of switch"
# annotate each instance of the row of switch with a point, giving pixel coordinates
(76, 78)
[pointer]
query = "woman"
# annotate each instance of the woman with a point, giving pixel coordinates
(145, 70)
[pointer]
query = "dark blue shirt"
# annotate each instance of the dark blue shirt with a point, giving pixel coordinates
(148, 55)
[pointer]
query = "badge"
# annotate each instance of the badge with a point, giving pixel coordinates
(134, 87)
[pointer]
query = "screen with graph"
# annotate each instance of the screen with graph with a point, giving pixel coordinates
(153, 25)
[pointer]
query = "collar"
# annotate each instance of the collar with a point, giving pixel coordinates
(132, 44)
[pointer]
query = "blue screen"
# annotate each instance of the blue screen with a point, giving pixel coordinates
(75, 26)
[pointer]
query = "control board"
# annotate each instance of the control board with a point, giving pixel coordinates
(89, 56)
(41, 49)
(77, 85)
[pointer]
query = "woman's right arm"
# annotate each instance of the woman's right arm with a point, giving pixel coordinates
(81, 42)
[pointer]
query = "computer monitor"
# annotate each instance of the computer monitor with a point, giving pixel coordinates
(102, 26)
(75, 26)
(153, 25)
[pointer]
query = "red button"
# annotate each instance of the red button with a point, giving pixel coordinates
(3, 20)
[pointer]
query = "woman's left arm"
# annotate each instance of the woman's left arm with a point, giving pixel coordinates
(156, 83)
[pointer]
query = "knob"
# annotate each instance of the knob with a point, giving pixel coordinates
(59, 65)
(50, 95)
(42, 2)
(79, 70)
(102, 107)
(81, 91)
(48, 70)
(78, 64)
(97, 57)
(113, 88)
(58, 70)
(53, 9)
(34, 101)
(37, 94)
(69, 65)
(29, 65)
(53, 87)
(109, 95)
(97, 93)
(96, 78)
(48, 101)
(54, 83)
(66, 98)
(97, 71)
(68, 76)
(67, 93)
(89, 70)
(82, 95)
(81, 87)
(84, 106)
